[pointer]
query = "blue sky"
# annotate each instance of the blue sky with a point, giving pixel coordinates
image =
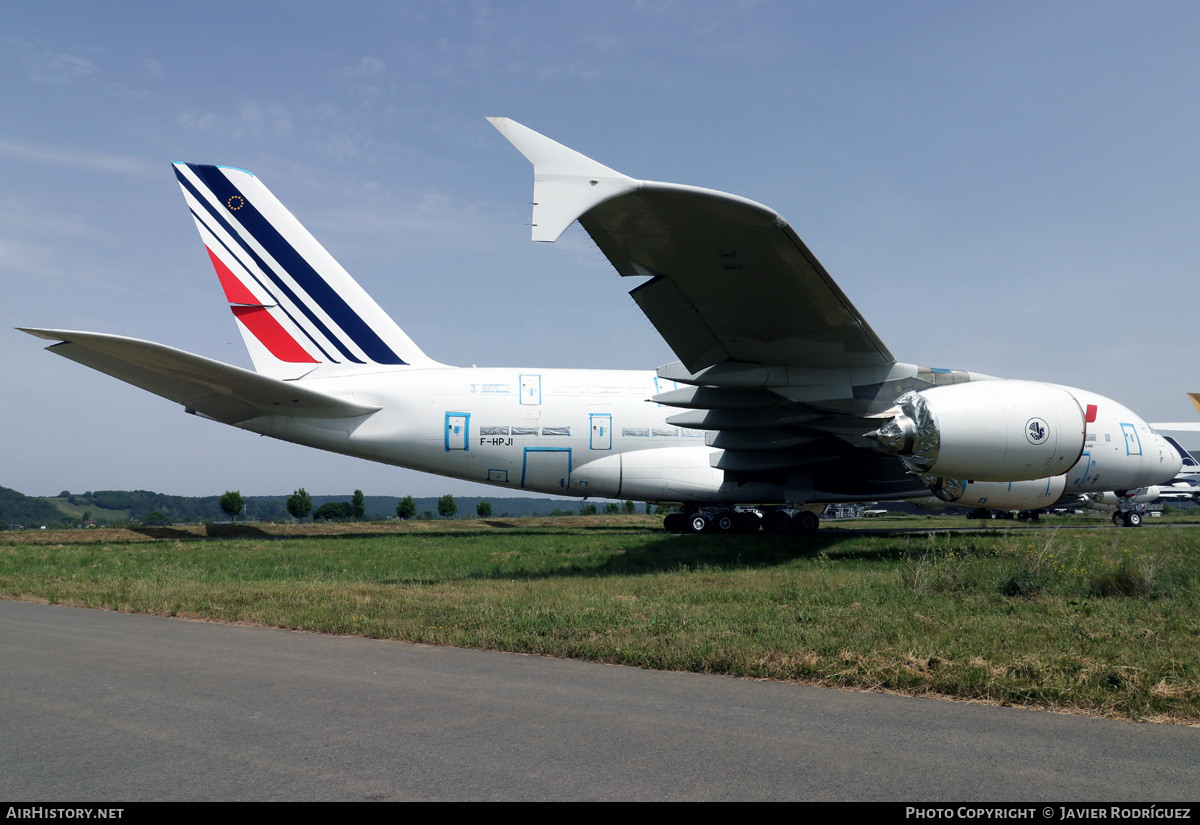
(1010, 188)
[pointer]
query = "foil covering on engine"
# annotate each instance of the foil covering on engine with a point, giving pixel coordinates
(896, 436)
(946, 489)
(927, 441)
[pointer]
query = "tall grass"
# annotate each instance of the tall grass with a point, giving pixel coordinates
(1100, 621)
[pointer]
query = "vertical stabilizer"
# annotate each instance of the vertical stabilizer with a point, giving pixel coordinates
(296, 307)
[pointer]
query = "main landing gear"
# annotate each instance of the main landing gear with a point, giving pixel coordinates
(713, 520)
(989, 514)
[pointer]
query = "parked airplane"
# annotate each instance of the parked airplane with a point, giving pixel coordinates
(1186, 484)
(1126, 507)
(783, 396)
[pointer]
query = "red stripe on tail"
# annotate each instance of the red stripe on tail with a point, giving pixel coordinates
(235, 290)
(272, 336)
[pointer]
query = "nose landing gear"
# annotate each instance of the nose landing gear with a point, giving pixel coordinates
(1127, 518)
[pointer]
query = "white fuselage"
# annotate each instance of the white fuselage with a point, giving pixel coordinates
(1120, 450)
(570, 432)
(597, 433)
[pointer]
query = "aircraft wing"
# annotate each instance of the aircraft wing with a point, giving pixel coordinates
(1182, 426)
(727, 278)
(219, 391)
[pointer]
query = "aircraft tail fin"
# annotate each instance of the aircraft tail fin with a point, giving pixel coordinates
(1194, 397)
(1184, 455)
(296, 307)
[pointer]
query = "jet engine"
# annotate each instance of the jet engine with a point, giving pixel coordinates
(986, 431)
(999, 495)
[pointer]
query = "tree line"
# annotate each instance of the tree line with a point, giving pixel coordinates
(150, 508)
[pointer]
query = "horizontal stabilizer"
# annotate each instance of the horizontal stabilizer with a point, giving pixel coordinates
(219, 391)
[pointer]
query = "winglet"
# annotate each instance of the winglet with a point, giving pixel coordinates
(566, 184)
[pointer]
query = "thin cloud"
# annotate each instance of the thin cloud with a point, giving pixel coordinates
(29, 258)
(151, 68)
(251, 120)
(368, 67)
(76, 159)
(51, 67)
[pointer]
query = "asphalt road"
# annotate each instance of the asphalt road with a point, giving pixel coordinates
(98, 706)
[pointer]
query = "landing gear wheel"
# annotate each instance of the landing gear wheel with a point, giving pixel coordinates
(750, 522)
(1119, 519)
(777, 521)
(726, 523)
(697, 523)
(807, 522)
(674, 523)
(1133, 519)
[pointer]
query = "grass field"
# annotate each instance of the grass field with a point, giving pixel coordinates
(1097, 620)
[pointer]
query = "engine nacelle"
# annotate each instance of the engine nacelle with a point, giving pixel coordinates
(987, 431)
(999, 495)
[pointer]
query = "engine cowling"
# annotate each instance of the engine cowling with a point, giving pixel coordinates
(987, 431)
(999, 495)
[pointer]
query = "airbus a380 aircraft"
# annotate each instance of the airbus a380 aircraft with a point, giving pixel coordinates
(783, 397)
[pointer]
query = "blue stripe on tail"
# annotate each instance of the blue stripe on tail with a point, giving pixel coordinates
(297, 268)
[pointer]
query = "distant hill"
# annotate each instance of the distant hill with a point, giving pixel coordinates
(17, 508)
(119, 505)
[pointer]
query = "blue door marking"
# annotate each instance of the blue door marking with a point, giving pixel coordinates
(457, 428)
(601, 438)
